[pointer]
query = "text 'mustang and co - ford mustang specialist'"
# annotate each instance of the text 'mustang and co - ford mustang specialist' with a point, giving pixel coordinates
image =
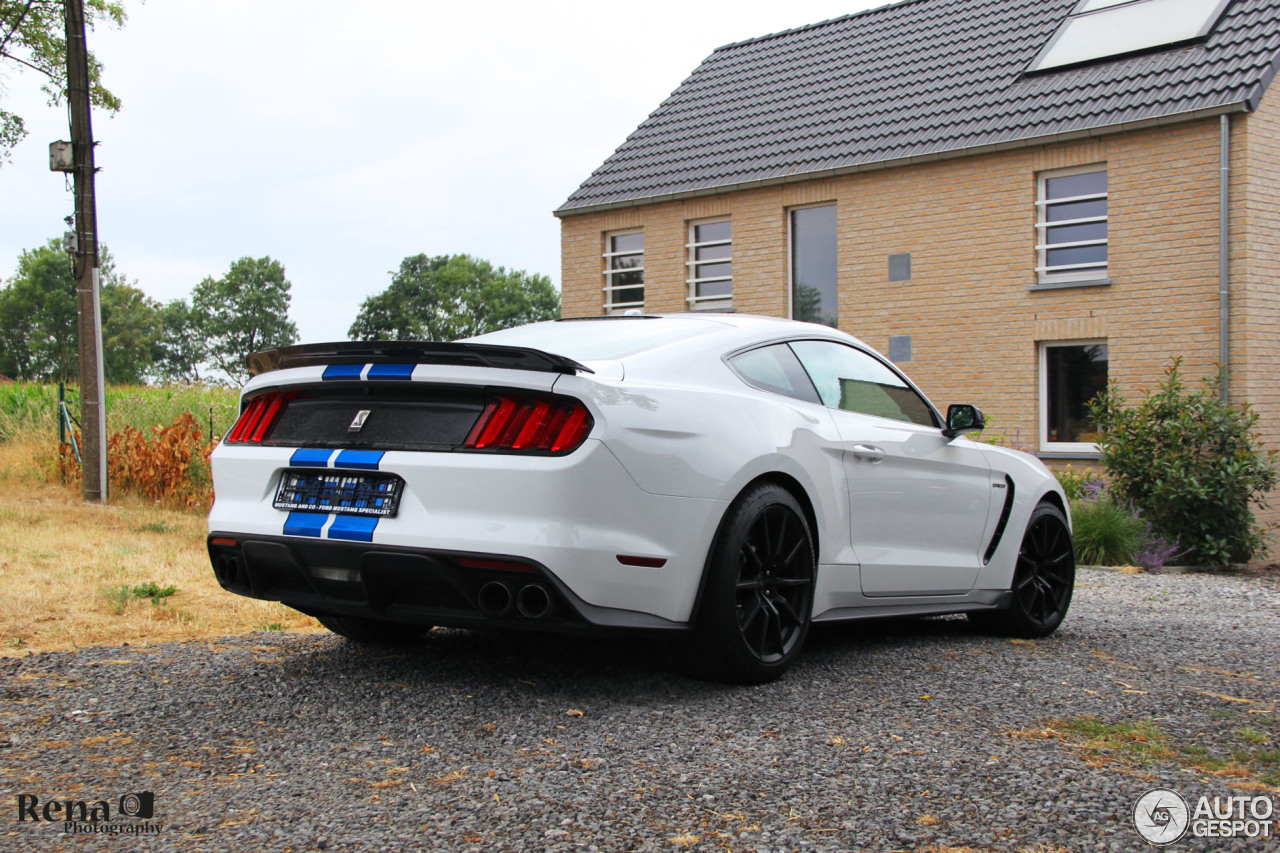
(721, 478)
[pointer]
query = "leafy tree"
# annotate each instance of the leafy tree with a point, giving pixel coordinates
(131, 333)
(33, 35)
(38, 318)
(1191, 463)
(39, 330)
(447, 297)
(245, 310)
(181, 349)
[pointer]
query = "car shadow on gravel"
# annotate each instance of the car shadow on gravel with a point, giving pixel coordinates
(462, 659)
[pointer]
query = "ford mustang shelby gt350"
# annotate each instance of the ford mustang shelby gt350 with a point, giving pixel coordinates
(726, 477)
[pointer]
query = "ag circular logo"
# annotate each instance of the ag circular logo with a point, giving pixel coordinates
(1161, 816)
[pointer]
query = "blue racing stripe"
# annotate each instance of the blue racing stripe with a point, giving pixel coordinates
(391, 371)
(305, 523)
(357, 528)
(342, 371)
(364, 459)
(305, 457)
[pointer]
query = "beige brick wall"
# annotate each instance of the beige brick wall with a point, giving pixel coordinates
(1255, 269)
(969, 225)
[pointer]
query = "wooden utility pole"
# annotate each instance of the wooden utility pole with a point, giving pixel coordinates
(93, 414)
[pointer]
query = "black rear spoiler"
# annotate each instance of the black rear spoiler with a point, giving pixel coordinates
(411, 352)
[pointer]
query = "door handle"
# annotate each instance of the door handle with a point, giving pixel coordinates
(867, 452)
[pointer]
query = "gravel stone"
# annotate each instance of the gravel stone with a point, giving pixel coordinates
(885, 736)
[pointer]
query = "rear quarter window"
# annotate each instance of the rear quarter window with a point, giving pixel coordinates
(775, 369)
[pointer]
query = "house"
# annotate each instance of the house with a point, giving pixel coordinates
(1017, 200)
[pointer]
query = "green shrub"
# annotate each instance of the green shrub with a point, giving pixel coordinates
(1191, 463)
(1106, 533)
(1073, 482)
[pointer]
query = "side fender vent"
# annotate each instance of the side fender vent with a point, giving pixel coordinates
(1002, 523)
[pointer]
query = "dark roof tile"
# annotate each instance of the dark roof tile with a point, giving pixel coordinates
(918, 78)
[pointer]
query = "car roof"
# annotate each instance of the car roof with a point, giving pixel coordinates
(625, 337)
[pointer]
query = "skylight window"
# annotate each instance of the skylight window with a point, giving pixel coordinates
(1106, 29)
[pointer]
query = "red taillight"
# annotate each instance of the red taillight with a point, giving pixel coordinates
(256, 419)
(535, 424)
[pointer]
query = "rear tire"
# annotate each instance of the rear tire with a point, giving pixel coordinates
(758, 598)
(1042, 582)
(372, 631)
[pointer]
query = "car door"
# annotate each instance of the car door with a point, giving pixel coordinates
(919, 502)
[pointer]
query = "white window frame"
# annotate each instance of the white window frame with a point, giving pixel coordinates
(718, 302)
(1068, 272)
(610, 306)
(1082, 447)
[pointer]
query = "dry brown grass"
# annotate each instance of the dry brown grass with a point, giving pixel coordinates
(63, 562)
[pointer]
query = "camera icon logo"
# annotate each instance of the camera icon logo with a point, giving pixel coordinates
(142, 804)
(1161, 816)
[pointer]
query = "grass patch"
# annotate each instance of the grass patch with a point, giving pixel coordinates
(1134, 743)
(153, 591)
(1138, 742)
(70, 570)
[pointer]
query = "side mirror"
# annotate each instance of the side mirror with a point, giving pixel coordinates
(962, 418)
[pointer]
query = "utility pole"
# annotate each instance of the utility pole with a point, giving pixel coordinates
(93, 413)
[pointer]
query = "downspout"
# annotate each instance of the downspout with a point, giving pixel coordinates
(1224, 246)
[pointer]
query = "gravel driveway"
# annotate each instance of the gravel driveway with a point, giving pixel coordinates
(903, 736)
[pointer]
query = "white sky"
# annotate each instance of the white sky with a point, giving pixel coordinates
(341, 137)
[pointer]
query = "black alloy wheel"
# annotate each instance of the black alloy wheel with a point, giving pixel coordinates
(1043, 580)
(759, 595)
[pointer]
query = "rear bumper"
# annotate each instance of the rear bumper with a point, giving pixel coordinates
(580, 519)
(413, 585)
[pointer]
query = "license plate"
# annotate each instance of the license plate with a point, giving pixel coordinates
(340, 492)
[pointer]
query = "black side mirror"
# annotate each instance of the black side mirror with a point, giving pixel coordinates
(962, 418)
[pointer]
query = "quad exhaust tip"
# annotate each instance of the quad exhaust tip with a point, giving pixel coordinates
(495, 599)
(533, 601)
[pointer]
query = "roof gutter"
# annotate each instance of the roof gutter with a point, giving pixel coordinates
(1011, 145)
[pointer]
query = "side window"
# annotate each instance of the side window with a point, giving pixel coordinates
(775, 369)
(849, 379)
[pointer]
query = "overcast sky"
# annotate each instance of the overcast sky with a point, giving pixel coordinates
(340, 137)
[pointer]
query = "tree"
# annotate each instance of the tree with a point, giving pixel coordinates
(38, 318)
(131, 333)
(245, 310)
(447, 297)
(38, 331)
(181, 349)
(33, 35)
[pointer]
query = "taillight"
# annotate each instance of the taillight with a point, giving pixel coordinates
(531, 424)
(256, 419)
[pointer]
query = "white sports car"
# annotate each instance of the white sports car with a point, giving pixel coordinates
(724, 477)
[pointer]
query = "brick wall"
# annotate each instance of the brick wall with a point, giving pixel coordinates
(1255, 269)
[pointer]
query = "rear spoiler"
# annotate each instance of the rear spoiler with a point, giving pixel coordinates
(412, 352)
